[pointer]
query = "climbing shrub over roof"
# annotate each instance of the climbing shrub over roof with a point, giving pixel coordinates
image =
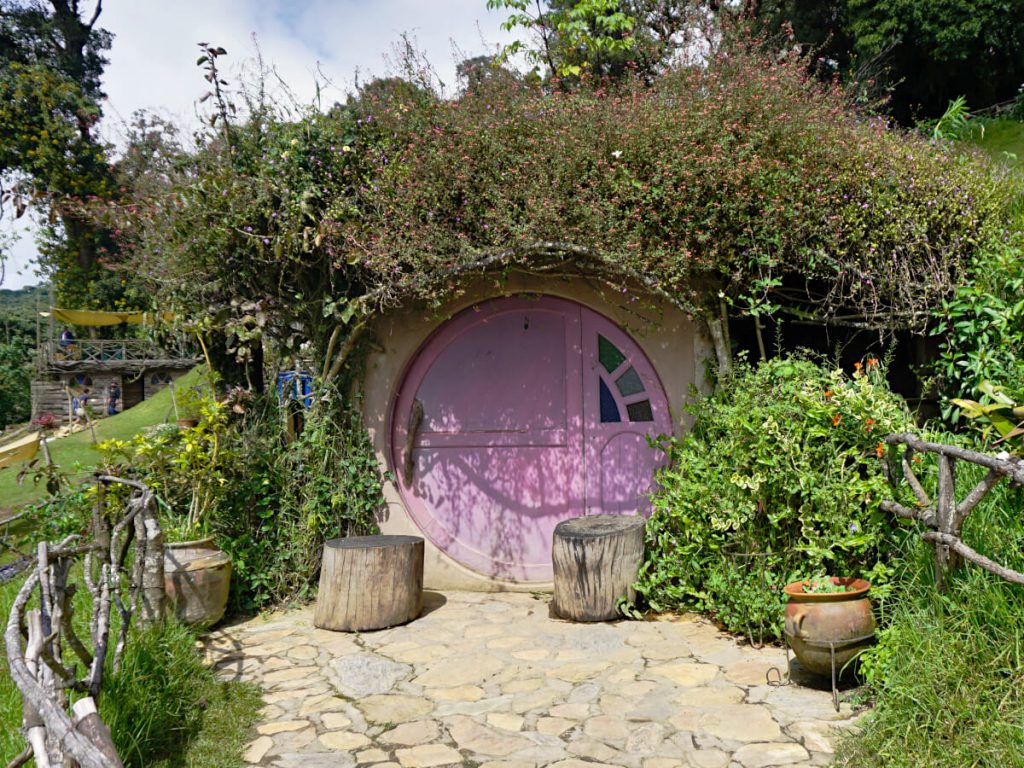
(745, 180)
(737, 177)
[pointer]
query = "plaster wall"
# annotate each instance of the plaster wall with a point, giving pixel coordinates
(671, 340)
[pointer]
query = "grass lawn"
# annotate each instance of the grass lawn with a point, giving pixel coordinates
(1004, 141)
(76, 454)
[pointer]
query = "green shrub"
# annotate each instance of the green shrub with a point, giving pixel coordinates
(282, 499)
(779, 479)
(731, 178)
(946, 673)
(15, 375)
(184, 467)
(269, 500)
(982, 327)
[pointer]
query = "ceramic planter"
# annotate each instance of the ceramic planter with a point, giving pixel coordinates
(819, 625)
(197, 576)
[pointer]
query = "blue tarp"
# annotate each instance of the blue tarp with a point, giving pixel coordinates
(295, 386)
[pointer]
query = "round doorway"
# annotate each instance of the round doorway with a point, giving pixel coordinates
(517, 414)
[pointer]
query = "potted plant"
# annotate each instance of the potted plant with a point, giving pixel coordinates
(188, 407)
(829, 621)
(197, 580)
(197, 574)
(184, 467)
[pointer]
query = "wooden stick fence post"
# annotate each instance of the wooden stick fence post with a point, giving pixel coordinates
(945, 517)
(79, 738)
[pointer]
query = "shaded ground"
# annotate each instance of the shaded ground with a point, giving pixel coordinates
(492, 680)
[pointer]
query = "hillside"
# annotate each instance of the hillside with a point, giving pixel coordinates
(18, 309)
(77, 456)
(1003, 141)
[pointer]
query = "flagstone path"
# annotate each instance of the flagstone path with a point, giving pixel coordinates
(491, 680)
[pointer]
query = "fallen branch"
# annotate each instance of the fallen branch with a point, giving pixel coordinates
(55, 736)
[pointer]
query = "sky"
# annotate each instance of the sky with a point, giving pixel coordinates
(153, 57)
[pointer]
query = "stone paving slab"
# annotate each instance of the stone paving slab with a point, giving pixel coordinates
(492, 680)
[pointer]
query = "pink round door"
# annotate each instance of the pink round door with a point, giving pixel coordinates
(517, 414)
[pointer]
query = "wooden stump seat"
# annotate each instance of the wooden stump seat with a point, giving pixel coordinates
(595, 561)
(370, 582)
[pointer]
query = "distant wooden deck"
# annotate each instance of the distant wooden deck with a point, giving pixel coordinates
(113, 355)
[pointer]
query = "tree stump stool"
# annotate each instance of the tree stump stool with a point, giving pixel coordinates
(370, 582)
(595, 561)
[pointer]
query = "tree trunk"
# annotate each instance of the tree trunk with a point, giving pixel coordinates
(370, 582)
(596, 561)
(718, 328)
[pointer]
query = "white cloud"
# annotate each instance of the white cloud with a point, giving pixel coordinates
(152, 61)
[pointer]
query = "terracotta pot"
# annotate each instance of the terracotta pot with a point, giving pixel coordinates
(817, 624)
(197, 576)
(188, 423)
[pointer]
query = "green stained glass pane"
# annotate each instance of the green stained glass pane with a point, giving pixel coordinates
(609, 355)
(629, 383)
(640, 411)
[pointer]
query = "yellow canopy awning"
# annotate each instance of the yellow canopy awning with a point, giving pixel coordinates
(98, 317)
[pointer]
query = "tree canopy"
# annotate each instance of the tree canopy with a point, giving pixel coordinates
(917, 54)
(51, 63)
(922, 53)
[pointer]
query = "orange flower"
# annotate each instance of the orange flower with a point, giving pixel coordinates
(872, 362)
(828, 393)
(857, 366)
(869, 424)
(836, 419)
(880, 450)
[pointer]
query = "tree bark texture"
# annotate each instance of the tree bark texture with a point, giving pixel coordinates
(370, 582)
(595, 562)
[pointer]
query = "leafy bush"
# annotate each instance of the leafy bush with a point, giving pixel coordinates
(67, 511)
(269, 500)
(779, 479)
(184, 467)
(15, 376)
(283, 499)
(732, 177)
(982, 327)
(946, 672)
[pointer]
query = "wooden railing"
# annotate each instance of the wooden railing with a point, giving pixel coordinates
(105, 352)
(41, 641)
(945, 516)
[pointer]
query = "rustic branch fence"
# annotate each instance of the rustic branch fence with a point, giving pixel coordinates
(121, 565)
(945, 516)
